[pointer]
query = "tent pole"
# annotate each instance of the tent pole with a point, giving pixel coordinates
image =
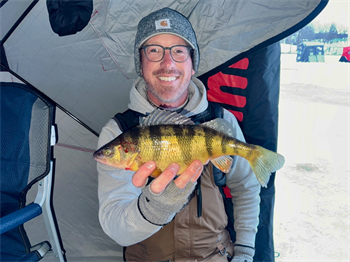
(3, 68)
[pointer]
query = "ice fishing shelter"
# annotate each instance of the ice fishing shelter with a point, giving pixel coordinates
(310, 52)
(80, 54)
(345, 57)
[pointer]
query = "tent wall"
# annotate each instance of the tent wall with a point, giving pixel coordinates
(89, 73)
(249, 88)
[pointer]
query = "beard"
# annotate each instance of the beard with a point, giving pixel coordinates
(168, 94)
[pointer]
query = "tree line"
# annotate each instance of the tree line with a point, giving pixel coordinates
(316, 32)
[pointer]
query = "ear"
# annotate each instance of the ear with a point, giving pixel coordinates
(193, 72)
(141, 61)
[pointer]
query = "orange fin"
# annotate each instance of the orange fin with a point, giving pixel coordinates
(132, 164)
(132, 158)
(156, 172)
(223, 163)
(134, 167)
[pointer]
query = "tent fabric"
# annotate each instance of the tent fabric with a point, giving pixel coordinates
(95, 66)
(69, 17)
(90, 70)
(249, 88)
(3, 58)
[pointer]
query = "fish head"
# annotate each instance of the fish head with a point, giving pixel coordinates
(117, 155)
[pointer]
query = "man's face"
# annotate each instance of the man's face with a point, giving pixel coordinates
(167, 81)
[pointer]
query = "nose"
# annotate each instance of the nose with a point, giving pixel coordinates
(167, 59)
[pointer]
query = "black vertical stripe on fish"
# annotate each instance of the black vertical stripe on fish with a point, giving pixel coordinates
(225, 141)
(134, 135)
(191, 134)
(209, 142)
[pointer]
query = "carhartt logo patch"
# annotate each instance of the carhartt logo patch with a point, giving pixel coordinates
(162, 24)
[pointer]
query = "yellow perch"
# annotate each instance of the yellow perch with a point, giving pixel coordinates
(181, 144)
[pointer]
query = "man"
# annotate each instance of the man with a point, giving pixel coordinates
(157, 221)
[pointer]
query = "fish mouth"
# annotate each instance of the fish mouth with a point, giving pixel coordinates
(97, 153)
(98, 156)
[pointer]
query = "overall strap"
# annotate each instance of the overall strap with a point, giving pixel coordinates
(213, 111)
(128, 119)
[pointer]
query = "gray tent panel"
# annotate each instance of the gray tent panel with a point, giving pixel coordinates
(90, 73)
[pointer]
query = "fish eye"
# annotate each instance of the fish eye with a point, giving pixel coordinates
(107, 151)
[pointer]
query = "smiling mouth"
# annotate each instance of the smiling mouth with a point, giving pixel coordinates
(168, 79)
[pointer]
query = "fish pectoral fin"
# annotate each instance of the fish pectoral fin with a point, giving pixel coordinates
(132, 164)
(223, 163)
(133, 167)
(156, 172)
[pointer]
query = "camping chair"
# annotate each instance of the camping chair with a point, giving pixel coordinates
(27, 137)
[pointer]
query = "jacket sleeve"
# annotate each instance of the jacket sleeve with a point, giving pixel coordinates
(245, 190)
(118, 212)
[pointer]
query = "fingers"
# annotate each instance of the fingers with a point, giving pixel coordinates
(190, 174)
(140, 177)
(160, 183)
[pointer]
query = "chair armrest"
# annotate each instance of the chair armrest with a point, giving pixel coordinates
(19, 217)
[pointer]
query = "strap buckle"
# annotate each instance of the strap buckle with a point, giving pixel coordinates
(223, 252)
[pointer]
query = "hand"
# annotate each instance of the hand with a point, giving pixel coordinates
(243, 254)
(192, 173)
(165, 196)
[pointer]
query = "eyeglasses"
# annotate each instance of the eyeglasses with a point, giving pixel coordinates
(155, 53)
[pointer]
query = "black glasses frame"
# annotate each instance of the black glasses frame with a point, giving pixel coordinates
(167, 48)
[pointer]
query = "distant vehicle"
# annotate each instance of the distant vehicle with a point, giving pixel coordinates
(310, 52)
(345, 57)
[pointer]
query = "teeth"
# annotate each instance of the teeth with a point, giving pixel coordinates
(173, 78)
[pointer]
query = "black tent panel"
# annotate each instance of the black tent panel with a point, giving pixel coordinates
(249, 88)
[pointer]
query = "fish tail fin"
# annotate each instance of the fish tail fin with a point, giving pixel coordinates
(265, 163)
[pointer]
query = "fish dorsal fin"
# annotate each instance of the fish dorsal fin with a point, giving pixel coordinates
(221, 125)
(223, 163)
(164, 117)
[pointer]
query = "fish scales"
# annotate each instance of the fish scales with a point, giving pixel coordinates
(182, 144)
(231, 146)
(185, 139)
(173, 141)
(156, 148)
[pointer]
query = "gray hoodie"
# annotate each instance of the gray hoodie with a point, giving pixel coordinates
(119, 215)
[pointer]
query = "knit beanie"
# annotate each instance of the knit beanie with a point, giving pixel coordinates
(165, 21)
